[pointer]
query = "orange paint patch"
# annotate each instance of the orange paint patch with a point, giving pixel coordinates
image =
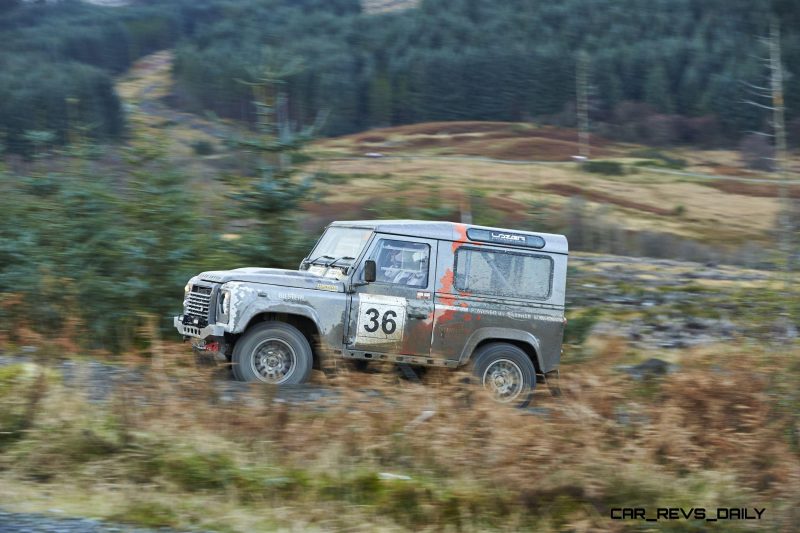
(462, 236)
(447, 285)
(446, 297)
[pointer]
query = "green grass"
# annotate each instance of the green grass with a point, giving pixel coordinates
(580, 324)
(608, 168)
(148, 514)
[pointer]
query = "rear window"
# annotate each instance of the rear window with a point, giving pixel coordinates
(503, 273)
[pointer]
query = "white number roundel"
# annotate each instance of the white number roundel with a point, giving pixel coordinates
(381, 319)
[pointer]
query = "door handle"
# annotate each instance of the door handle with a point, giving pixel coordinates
(417, 314)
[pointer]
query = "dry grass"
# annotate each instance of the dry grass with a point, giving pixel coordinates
(768, 190)
(639, 201)
(573, 190)
(710, 211)
(498, 140)
(169, 451)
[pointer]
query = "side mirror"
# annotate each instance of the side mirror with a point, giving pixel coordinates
(370, 271)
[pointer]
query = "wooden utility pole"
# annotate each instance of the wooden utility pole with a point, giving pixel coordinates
(582, 104)
(781, 165)
(773, 93)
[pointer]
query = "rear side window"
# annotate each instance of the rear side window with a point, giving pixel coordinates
(503, 273)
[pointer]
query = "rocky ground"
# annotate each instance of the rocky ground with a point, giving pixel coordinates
(36, 523)
(666, 304)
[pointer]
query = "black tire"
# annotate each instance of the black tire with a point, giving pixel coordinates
(506, 372)
(273, 352)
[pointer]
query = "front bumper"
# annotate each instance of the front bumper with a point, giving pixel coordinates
(212, 330)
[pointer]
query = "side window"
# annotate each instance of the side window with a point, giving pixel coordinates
(503, 273)
(402, 262)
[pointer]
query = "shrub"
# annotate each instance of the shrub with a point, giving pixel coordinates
(298, 158)
(609, 168)
(757, 153)
(149, 514)
(12, 410)
(332, 178)
(578, 328)
(203, 147)
(656, 158)
(195, 471)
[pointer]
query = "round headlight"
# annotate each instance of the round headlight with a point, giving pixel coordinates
(187, 288)
(226, 302)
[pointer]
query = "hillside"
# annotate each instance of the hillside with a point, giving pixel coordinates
(678, 383)
(513, 174)
(518, 169)
(683, 81)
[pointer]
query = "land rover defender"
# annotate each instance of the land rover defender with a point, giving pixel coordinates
(409, 292)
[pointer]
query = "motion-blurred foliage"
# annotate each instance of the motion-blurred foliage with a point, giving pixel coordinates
(57, 59)
(90, 255)
(720, 431)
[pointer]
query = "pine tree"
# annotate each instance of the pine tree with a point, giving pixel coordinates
(272, 198)
(657, 90)
(380, 101)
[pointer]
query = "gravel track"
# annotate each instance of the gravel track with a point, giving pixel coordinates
(38, 523)
(99, 381)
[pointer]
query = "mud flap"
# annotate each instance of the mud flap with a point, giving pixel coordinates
(408, 372)
(552, 380)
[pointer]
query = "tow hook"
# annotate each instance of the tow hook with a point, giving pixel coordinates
(204, 346)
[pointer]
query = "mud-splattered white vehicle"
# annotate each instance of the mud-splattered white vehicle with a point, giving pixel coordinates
(412, 292)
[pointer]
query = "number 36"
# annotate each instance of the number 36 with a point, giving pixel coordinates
(387, 324)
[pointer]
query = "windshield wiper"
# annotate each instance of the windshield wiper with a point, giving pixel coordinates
(313, 261)
(339, 259)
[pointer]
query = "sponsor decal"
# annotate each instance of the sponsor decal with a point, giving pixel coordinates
(327, 287)
(516, 239)
(508, 237)
(692, 513)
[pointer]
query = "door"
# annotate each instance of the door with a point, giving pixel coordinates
(394, 314)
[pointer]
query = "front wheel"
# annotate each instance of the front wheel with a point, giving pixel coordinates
(273, 352)
(506, 372)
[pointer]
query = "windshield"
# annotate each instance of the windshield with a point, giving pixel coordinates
(342, 244)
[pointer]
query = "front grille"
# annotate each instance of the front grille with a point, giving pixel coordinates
(198, 301)
(190, 330)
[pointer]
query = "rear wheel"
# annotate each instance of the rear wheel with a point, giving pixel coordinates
(506, 372)
(273, 352)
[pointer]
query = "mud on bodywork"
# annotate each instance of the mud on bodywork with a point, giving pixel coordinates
(442, 323)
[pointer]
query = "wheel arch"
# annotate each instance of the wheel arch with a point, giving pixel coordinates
(304, 322)
(524, 340)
